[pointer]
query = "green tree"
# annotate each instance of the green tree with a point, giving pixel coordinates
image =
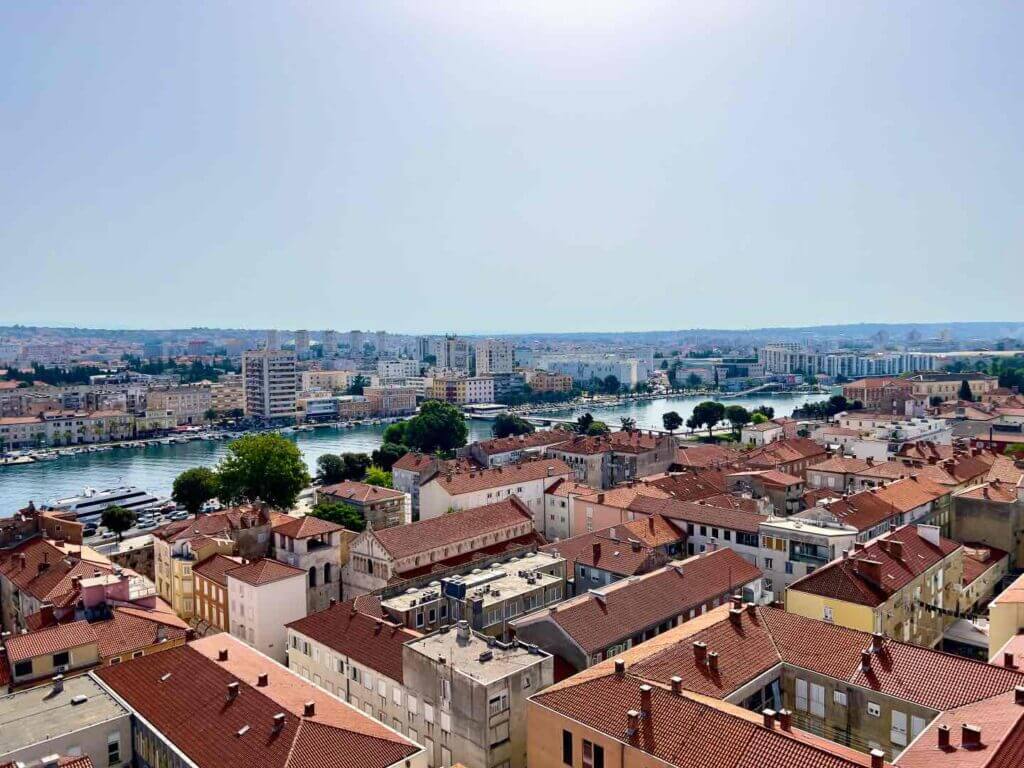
(210, 414)
(340, 513)
(117, 519)
(379, 477)
(194, 487)
(330, 468)
(583, 423)
(737, 416)
(611, 384)
(935, 401)
(598, 428)
(386, 456)
(627, 423)
(508, 424)
(1015, 450)
(265, 467)
(765, 410)
(356, 385)
(693, 381)
(758, 418)
(671, 421)
(965, 392)
(438, 427)
(356, 465)
(395, 433)
(706, 414)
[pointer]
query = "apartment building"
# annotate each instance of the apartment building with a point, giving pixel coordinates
(391, 400)
(57, 428)
(610, 620)
(792, 548)
(527, 480)
(500, 451)
(73, 723)
(783, 492)
(905, 584)
(437, 545)
(992, 513)
(947, 385)
(884, 394)
(380, 507)
(792, 359)
(494, 356)
(317, 547)
(487, 598)
(790, 455)
(263, 596)
(607, 460)
(217, 702)
(542, 382)
(410, 472)
(462, 390)
(227, 394)
(212, 613)
(185, 403)
(269, 381)
(397, 370)
(761, 687)
(178, 546)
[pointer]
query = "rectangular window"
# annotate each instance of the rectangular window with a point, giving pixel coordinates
(593, 755)
(411, 703)
(826, 612)
(567, 747)
(114, 749)
(499, 734)
(61, 659)
(23, 668)
(801, 695)
(498, 703)
(817, 700)
(428, 713)
(446, 722)
(898, 733)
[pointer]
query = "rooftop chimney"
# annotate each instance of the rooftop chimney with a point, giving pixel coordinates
(222, 654)
(645, 698)
(877, 638)
(713, 661)
(877, 758)
(462, 631)
(736, 616)
(1018, 695)
(896, 550)
(677, 685)
(620, 667)
(769, 718)
(58, 683)
(970, 736)
(1008, 661)
(263, 680)
(309, 709)
(700, 651)
(232, 691)
(943, 731)
(633, 721)
(865, 659)
(334, 601)
(785, 719)
(870, 570)
(278, 722)
(597, 550)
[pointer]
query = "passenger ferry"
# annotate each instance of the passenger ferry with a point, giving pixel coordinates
(92, 502)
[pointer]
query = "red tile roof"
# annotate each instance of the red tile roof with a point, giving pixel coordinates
(424, 462)
(360, 493)
(699, 513)
(497, 477)
(687, 731)
(630, 606)
(134, 630)
(48, 569)
(182, 693)
(870, 508)
(691, 485)
(616, 553)
(306, 527)
(844, 579)
(406, 540)
(51, 640)
(979, 558)
(633, 441)
(536, 439)
(519, 544)
(215, 568)
(995, 491)
(780, 452)
(370, 640)
(705, 456)
(264, 571)
(214, 523)
(841, 465)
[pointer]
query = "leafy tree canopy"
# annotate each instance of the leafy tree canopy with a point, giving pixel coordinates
(671, 421)
(340, 513)
(706, 414)
(117, 519)
(388, 453)
(438, 427)
(194, 487)
(265, 467)
(598, 428)
(508, 424)
(377, 476)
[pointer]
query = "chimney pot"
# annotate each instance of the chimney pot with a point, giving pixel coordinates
(620, 668)
(334, 601)
(1008, 661)
(713, 661)
(633, 719)
(58, 683)
(1018, 695)
(309, 709)
(263, 680)
(876, 641)
(736, 616)
(645, 698)
(278, 721)
(597, 550)
(232, 690)
(222, 654)
(769, 718)
(865, 660)
(677, 685)
(785, 719)
(943, 731)
(877, 758)
(970, 736)
(700, 651)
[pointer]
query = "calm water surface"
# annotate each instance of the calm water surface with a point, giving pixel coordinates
(155, 467)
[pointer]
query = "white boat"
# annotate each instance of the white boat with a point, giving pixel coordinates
(92, 502)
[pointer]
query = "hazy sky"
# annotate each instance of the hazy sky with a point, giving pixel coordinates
(536, 165)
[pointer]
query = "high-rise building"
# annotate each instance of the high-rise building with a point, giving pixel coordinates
(273, 342)
(302, 344)
(355, 343)
(493, 356)
(381, 343)
(269, 379)
(330, 343)
(454, 354)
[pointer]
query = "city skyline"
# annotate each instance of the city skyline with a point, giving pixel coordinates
(759, 166)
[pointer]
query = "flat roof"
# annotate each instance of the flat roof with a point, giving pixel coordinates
(791, 524)
(464, 655)
(38, 714)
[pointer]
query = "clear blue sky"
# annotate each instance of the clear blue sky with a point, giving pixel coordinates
(560, 165)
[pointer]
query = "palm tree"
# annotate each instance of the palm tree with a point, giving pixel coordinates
(628, 424)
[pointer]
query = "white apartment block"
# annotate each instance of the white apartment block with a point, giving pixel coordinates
(791, 358)
(269, 379)
(263, 596)
(397, 370)
(493, 356)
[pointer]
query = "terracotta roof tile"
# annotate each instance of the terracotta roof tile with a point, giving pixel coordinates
(705, 456)
(129, 631)
(699, 513)
(458, 483)
(368, 639)
(361, 493)
(537, 439)
(306, 527)
(979, 558)
(51, 640)
(214, 523)
(215, 568)
(264, 571)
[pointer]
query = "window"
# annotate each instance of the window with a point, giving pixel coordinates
(499, 734)
(382, 687)
(396, 696)
(826, 612)
(23, 668)
(114, 749)
(61, 659)
(768, 563)
(567, 747)
(839, 697)
(593, 755)
(874, 710)
(817, 700)
(898, 733)
(428, 713)
(412, 703)
(917, 725)
(446, 722)
(801, 695)
(703, 532)
(498, 703)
